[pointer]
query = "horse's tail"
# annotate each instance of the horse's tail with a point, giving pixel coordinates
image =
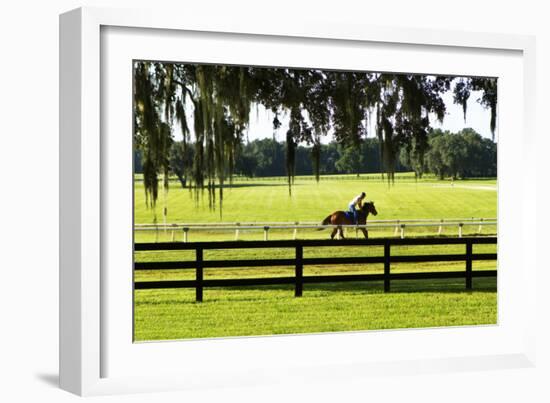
(326, 221)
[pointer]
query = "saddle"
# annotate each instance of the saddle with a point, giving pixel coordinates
(350, 217)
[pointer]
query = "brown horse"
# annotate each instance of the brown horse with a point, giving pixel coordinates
(339, 218)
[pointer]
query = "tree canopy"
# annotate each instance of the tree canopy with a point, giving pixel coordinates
(465, 154)
(460, 155)
(318, 102)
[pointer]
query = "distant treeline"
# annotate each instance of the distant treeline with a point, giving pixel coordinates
(465, 154)
(459, 155)
(266, 157)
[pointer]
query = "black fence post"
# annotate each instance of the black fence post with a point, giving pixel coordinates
(387, 266)
(468, 265)
(299, 271)
(199, 276)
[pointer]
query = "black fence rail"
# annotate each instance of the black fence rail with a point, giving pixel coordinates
(298, 262)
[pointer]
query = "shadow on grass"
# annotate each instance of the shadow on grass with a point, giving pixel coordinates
(331, 290)
(228, 186)
(396, 286)
(448, 236)
(377, 287)
(252, 184)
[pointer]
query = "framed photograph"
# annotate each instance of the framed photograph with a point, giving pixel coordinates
(237, 197)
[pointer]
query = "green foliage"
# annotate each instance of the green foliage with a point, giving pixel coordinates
(350, 161)
(481, 156)
(488, 87)
(474, 155)
(464, 154)
(181, 161)
(151, 135)
(266, 157)
(317, 102)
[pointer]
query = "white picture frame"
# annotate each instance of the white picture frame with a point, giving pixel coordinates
(83, 306)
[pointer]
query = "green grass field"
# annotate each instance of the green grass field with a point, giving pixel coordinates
(263, 310)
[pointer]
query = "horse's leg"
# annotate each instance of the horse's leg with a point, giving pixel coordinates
(333, 233)
(365, 232)
(341, 231)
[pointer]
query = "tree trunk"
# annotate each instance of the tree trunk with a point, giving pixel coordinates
(181, 179)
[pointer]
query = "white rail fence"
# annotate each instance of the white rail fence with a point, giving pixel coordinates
(398, 225)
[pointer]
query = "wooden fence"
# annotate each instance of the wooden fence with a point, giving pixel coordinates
(298, 262)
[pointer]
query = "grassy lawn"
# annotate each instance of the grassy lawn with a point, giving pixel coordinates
(268, 200)
(262, 310)
(173, 314)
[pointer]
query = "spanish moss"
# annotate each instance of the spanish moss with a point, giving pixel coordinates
(211, 106)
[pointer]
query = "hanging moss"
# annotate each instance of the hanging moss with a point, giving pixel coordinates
(319, 102)
(151, 135)
(316, 157)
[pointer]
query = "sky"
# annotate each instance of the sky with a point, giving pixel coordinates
(477, 118)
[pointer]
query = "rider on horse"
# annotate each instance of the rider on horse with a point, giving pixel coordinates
(356, 202)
